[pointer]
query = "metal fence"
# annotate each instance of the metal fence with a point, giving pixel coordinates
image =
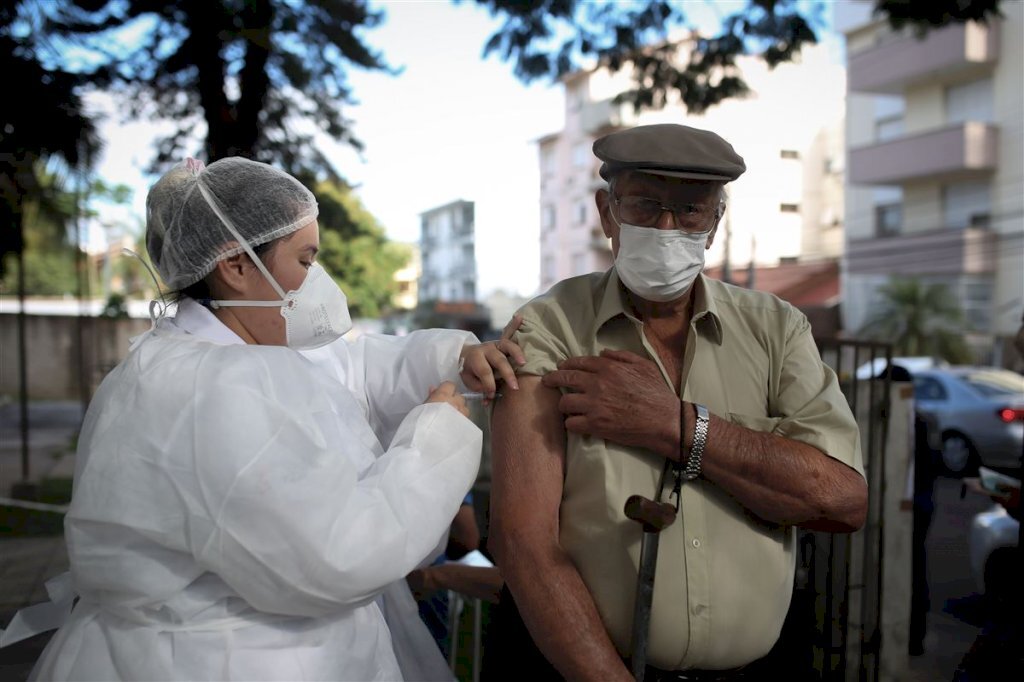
(833, 630)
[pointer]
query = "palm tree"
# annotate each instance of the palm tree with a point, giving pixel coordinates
(919, 319)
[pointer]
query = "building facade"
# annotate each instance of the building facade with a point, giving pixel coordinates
(407, 278)
(788, 205)
(935, 167)
(447, 254)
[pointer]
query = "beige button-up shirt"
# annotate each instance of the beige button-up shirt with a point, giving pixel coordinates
(724, 578)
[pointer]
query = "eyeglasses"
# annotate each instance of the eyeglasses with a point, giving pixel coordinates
(646, 212)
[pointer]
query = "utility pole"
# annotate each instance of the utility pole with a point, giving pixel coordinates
(751, 269)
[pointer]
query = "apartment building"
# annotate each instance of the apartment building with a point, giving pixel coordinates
(447, 254)
(935, 167)
(407, 278)
(787, 207)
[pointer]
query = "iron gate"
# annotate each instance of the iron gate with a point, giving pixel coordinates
(833, 629)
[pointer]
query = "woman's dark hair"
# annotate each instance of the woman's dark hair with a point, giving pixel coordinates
(200, 291)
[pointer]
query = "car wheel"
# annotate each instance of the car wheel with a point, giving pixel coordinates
(958, 454)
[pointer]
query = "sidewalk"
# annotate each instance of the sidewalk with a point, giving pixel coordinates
(26, 563)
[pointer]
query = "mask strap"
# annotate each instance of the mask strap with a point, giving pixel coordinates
(245, 246)
(242, 304)
(157, 309)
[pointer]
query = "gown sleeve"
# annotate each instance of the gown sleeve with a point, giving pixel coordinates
(292, 523)
(397, 371)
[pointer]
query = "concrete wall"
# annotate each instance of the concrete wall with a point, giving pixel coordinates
(58, 364)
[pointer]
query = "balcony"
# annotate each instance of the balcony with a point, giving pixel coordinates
(597, 118)
(958, 150)
(952, 54)
(972, 250)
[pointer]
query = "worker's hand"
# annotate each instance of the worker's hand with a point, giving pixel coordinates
(446, 393)
(485, 364)
(621, 397)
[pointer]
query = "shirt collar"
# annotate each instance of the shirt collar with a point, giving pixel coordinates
(614, 302)
(196, 319)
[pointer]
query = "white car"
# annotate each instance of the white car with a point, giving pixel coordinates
(991, 542)
(980, 411)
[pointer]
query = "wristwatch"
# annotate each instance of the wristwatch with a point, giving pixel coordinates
(700, 439)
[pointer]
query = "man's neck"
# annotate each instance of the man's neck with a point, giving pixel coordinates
(680, 309)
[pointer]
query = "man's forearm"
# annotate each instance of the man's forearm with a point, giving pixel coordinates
(782, 480)
(560, 614)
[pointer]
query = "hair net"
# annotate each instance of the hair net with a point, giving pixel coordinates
(187, 209)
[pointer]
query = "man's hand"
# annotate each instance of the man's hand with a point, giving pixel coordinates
(621, 397)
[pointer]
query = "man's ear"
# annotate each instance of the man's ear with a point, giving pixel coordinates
(714, 230)
(603, 201)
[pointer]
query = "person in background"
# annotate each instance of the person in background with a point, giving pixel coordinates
(463, 538)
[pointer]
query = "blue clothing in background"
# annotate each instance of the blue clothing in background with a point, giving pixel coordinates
(434, 609)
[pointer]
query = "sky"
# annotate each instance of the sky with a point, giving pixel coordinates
(450, 126)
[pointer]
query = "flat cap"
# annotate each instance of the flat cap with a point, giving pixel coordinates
(669, 149)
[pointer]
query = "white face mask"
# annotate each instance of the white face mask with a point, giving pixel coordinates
(314, 314)
(659, 265)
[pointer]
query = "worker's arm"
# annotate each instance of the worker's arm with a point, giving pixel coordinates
(528, 459)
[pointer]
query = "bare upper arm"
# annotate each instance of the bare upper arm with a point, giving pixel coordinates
(528, 466)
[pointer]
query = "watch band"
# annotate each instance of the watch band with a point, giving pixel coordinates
(700, 439)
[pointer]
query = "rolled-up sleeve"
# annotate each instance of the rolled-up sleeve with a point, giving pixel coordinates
(542, 349)
(809, 402)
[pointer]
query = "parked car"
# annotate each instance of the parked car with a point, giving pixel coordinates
(980, 414)
(912, 364)
(992, 541)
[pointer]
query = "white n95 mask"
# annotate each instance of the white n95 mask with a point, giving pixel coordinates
(314, 314)
(659, 265)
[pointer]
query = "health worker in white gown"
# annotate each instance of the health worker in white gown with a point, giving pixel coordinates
(237, 509)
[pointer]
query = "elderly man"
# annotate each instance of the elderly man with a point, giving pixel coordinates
(652, 379)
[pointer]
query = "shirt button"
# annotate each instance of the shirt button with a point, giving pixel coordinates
(698, 609)
(696, 542)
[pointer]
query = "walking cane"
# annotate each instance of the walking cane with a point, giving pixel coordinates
(653, 517)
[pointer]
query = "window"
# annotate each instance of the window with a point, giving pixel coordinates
(927, 388)
(888, 220)
(547, 217)
(789, 208)
(789, 154)
(888, 210)
(966, 204)
(547, 161)
(977, 303)
(970, 102)
(580, 154)
(547, 269)
(889, 111)
(581, 212)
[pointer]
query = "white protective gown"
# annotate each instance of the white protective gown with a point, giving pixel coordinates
(235, 515)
